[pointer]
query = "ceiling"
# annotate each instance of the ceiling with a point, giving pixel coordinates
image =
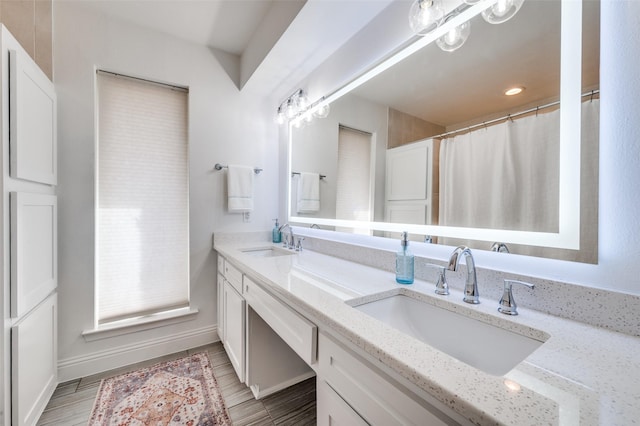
(263, 45)
(222, 24)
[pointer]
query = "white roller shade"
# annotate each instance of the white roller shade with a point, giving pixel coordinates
(142, 198)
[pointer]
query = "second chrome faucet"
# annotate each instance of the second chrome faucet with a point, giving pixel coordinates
(471, 294)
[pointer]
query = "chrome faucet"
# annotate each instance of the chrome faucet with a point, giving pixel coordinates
(507, 304)
(288, 241)
(471, 294)
(499, 247)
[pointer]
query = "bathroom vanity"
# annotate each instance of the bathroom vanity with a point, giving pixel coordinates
(322, 312)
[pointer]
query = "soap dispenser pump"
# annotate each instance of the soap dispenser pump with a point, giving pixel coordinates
(404, 262)
(276, 235)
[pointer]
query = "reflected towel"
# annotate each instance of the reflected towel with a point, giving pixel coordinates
(240, 188)
(309, 193)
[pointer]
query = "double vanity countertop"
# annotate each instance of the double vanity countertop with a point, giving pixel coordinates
(581, 375)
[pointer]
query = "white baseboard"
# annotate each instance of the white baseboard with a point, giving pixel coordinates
(97, 362)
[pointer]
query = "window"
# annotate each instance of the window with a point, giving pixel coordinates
(142, 217)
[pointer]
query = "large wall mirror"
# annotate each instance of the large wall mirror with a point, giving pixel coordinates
(433, 145)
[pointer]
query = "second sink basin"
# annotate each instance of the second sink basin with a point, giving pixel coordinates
(268, 252)
(490, 348)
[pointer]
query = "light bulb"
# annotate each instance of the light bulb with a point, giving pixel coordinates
(291, 109)
(302, 100)
(501, 11)
(307, 117)
(279, 118)
(455, 37)
(322, 111)
(425, 16)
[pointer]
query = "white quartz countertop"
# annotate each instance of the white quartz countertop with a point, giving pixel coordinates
(581, 375)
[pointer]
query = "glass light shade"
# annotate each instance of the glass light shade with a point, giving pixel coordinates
(323, 111)
(302, 101)
(471, 1)
(279, 118)
(502, 11)
(425, 16)
(291, 109)
(307, 117)
(455, 37)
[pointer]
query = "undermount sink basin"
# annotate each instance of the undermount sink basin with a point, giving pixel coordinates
(268, 252)
(490, 348)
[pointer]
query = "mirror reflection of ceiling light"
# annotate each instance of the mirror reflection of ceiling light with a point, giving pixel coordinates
(501, 11)
(514, 91)
(455, 37)
(425, 16)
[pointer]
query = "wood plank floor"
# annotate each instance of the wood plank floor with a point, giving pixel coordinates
(72, 401)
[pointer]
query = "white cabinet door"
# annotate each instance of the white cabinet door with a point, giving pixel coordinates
(33, 250)
(32, 121)
(332, 410)
(34, 362)
(407, 172)
(234, 329)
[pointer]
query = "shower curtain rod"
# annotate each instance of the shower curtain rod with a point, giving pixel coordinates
(508, 116)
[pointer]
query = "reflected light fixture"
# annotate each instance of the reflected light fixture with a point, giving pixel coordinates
(514, 91)
(425, 16)
(322, 111)
(455, 37)
(501, 11)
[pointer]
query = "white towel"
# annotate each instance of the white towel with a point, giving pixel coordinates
(240, 188)
(309, 193)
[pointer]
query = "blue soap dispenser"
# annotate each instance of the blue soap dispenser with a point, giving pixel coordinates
(404, 262)
(276, 235)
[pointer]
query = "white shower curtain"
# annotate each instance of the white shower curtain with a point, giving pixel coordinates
(506, 176)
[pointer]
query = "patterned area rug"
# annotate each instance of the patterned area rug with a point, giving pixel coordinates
(180, 392)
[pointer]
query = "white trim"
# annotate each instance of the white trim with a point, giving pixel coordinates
(146, 322)
(96, 362)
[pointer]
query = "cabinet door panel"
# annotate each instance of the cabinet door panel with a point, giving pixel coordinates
(220, 314)
(407, 172)
(34, 362)
(33, 250)
(332, 410)
(32, 122)
(234, 334)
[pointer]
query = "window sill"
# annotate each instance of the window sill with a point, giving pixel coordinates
(147, 322)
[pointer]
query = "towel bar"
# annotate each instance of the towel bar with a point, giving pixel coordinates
(297, 173)
(219, 166)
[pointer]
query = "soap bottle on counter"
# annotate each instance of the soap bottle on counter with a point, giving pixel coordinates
(404, 262)
(276, 235)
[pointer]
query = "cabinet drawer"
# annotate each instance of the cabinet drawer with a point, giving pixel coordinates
(233, 275)
(371, 395)
(298, 332)
(332, 410)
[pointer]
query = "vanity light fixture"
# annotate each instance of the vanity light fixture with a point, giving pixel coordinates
(425, 16)
(513, 91)
(291, 107)
(455, 37)
(501, 11)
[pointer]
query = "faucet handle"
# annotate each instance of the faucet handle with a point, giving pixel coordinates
(299, 243)
(442, 288)
(507, 304)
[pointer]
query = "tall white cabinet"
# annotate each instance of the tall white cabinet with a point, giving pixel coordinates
(412, 184)
(29, 235)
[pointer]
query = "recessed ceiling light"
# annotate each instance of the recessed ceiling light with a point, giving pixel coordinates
(514, 91)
